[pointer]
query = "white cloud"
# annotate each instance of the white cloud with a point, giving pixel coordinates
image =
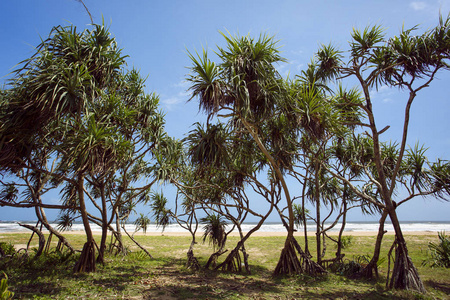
(418, 5)
(169, 102)
(383, 93)
(298, 52)
(291, 68)
(431, 7)
(384, 89)
(183, 84)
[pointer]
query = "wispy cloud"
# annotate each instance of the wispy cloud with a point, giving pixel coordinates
(430, 7)
(178, 96)
(297, 52)
(291, 68)
(418, 5)
(384, 93)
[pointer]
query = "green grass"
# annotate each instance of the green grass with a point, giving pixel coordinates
(136, 276)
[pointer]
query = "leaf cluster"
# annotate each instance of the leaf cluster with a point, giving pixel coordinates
(440, 252)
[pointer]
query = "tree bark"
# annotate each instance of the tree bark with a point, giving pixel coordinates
(305, 229)
(288, 263)
(86, 262)
(43, 218)
(101, 252)
(318, 228)
(371, 270)
(232, 262)
(192, 262)
(212, 261)
(41, 238)
(134, 241)
(341, 231)
(233, 259)
(404, 274)
(118, 234)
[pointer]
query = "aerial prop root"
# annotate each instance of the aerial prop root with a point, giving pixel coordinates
(290, 263)
(192, 261)
(404, 273)
(212, 261)
(233, 262)
(86, 262)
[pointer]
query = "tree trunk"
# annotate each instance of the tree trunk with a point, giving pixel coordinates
(192, 262)
(305, 229)
(101, 252)
(404, 274)
(212, 261)
(40, 213)
(233, 261)
(41, 238)
(86, 262)
(371, 270)
(289, 263)
(341, 231)
(318, 228)
(43, 218)
(134, 241)
(244, 254)
(49, 241)
(118, 235)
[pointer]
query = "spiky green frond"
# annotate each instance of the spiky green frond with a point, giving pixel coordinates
(160, 212)
(214, 230)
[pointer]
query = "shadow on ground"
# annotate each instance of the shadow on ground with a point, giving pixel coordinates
(173, 283)
(443, 287)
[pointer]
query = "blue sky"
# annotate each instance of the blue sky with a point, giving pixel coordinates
(157, 34)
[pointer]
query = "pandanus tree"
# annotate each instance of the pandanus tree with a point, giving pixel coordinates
(353, 160)
(73, 99)
(212, 179)
(215, 232)
(246, 88)
(409, 63)
(326, 115)
(28, 188)
(225, 163)
(51, 94)
(320, 117)
(206, 152)
(173, 168)
(416, 179)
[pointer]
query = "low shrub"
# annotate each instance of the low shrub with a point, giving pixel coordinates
(440, 252)
(349, 267)
(5, 294)
(346, 241)
(6, 249)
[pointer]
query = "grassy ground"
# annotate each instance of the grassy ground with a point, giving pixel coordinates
(136, 276)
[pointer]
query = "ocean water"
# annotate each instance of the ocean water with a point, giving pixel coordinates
(432, 227)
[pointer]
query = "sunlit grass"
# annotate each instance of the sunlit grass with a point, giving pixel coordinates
(138, 276)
